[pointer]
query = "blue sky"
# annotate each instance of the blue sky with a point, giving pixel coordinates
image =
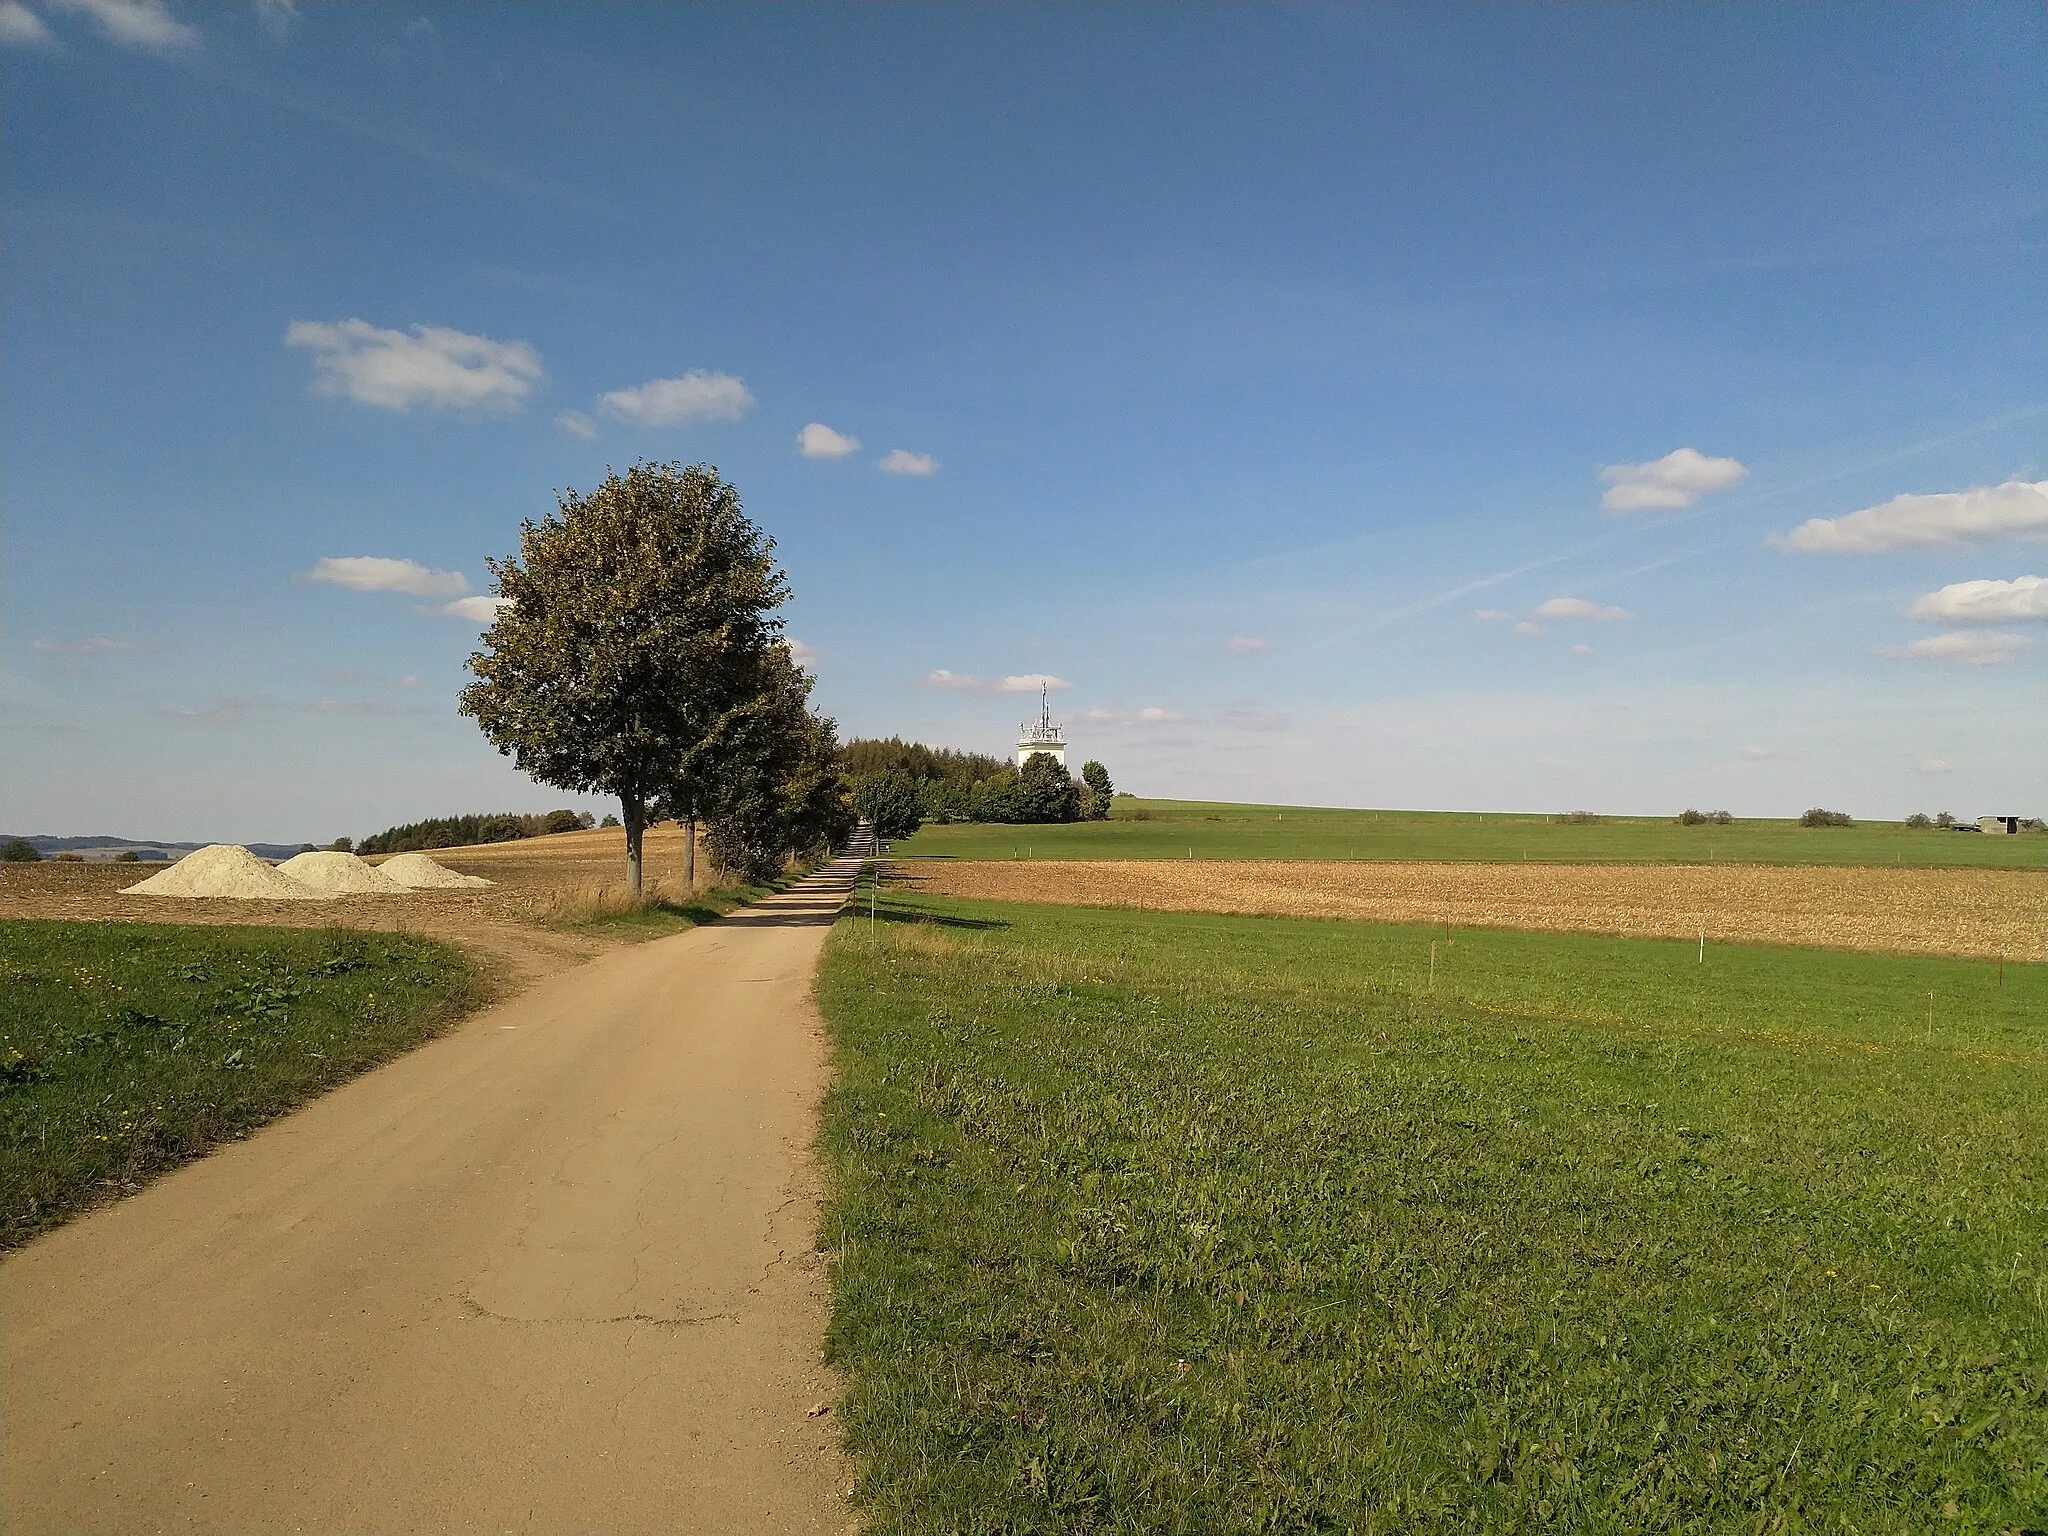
(1258, 373)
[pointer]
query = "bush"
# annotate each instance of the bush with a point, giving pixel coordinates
(1820, 818)
(1692, 818)
(342, 845)
(609, 821)
(19, 850)
(1919, 819)
(1582, 819)
(1945, 820)
(560, 821)
(127, 856)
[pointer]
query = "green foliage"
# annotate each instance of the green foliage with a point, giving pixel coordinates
(635, 624)
(561, 821)
(1044, 793)
(994, 799)
(19, 850)
(890, 802)
(127, 856)
(1945, 820)
(1167, 829)
(342, 845)
(127, 1048)
(1099, 791)
(1820, 818)
(609, 821)
(1919, 819)
(864, 756)
(1188, 1223)
(1692, 818)
(776, 789)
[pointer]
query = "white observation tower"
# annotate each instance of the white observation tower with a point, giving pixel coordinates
(1042, 736)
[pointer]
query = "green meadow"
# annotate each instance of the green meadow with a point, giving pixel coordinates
(1177, 829)
(1187, 1223)
(127, 1048)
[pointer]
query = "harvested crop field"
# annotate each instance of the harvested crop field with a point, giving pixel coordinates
(2000, 914)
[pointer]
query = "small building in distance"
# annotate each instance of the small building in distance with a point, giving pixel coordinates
(1042, 736)
(1998, 824)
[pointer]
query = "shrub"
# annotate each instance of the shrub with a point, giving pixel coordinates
(1582, 819)
(609, 821)
(342, 845)
(1692, 818)
(19, 850)
(1919, 819)
(1944, 820)
(127, 856)
(1820, 818)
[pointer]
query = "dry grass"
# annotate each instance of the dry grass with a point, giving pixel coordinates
(2001, 914)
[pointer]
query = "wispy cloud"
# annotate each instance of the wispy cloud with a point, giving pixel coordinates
(431, 365)
(1935, 765)
(818, 441)
(1582, 649)
(145, 24)
(967, 682)
(576, 424)
(90, 645)
(901, 461)
(1152, 714)
(21, 27)
(805, 656)
(1965, 647)
(1985, 602)
(1248, 645)
(1757, 754)
(1579, 608)
(480, 610)
(2018, 509)
(1491, 615)
(699, 395)
(378, 573)
(1678, 479)
(1526, 628)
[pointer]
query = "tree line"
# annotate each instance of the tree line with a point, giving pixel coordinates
(898, 785)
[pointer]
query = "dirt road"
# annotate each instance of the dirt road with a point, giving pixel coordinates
(551, 1272)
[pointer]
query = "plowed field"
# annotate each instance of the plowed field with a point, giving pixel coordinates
(2001, 914)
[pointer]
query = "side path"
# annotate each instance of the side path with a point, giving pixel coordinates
(551, 1272)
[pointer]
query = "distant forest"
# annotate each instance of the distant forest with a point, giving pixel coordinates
(932, 765)
(462, 831)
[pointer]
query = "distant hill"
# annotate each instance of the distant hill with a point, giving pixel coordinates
(97, 848)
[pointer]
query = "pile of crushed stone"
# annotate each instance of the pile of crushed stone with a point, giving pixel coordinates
(417, 872)
(229, 870)
(340, 874)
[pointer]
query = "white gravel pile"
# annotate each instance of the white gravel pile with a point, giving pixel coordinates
(229, 870)
(418, 872)
(341, 874)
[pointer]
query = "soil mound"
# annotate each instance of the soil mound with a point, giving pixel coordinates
(341, 874)
(417, 872)
(225, 869)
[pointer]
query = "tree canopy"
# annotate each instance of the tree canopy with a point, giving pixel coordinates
(631, 630)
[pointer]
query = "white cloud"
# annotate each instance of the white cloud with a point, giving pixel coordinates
(1985, 602)
(277, 17)
(1031, 682)
(1678, 479)
(1491, 615)
(2017, 509)
(479, 609)
(1757, 754)
(1582, 649)
(1248, 645)
(967, 682)
(805, 656)
(1526, 628)
(901, 461)
(1975, 650)
(1579, 608)
(818, 441)
(90, 645)
(146, 24)
(21, 27)
(1152, 714)
(698, 395)
(432, 366)
(955, 682)
(1936, 765)
(577, 424)
(376, 573)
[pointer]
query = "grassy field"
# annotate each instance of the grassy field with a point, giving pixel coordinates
(128, 1048)
(1177, 829)
(1189, 1223)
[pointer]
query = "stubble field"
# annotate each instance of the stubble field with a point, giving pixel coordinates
(1997, 914)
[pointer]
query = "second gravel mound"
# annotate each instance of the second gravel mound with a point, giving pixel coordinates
(341, 874)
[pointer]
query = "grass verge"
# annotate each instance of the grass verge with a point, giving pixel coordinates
(1174, 1222)
(661, 909)
(1175, 829)
(128, 1048)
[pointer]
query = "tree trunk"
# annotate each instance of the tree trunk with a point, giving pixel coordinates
(634, 815)
(690, 854)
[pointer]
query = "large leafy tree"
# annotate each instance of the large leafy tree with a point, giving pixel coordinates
(891, 803)
(630, 640)
(1100, 790)
(1044, 792)
(775, 787)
